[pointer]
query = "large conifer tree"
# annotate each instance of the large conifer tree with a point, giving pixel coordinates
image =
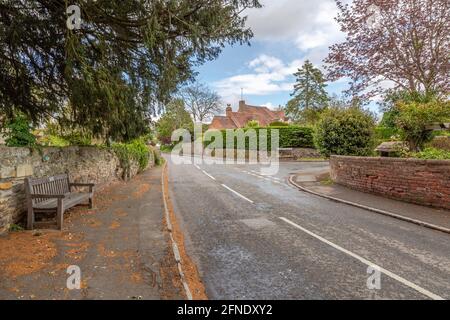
(111, 74)
(309, 96)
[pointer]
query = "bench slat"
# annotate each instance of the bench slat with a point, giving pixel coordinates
(70, 201)
(37, 181)
(56, 185)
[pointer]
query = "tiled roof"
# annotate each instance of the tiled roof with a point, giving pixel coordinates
(246, 113)
(221, 123)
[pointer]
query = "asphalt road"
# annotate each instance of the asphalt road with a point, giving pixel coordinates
(256, 237)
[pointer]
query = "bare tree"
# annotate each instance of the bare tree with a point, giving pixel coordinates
(403, 41)
(201, 102)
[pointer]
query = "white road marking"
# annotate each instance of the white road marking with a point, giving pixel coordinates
(267, 178)
(197, 167)
(206, 173)
(237, 193)
(367, 262)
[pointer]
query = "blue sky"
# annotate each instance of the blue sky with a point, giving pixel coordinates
(287, 32)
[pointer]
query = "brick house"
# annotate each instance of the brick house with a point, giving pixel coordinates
(245, 114)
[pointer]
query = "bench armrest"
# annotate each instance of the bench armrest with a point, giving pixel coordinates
(82, 185)
(47, 196)
(76, 185)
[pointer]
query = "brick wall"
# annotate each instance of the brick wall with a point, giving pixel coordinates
(84, 164)
(425, 182)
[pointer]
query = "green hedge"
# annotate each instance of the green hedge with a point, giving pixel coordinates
(290, 137)
(296, 137)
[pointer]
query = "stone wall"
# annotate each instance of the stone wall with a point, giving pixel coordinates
(84, 164)
(302, 153)
(299, 153)
(425, 182)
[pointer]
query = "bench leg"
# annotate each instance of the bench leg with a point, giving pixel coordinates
(60, 214)
(91, 198)
(30, 218)
(91, 203)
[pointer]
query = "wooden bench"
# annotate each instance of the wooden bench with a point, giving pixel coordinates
(55, 195)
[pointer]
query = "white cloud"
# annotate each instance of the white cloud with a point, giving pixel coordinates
(268, 75)
(309, 25)
(281, 19)
(265, 63)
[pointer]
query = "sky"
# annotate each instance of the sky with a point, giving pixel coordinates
(287, 32)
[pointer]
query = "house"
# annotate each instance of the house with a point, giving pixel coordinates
(245, 114)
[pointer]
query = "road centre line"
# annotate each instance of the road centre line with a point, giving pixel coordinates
(367, 262)
(206, 173)
(237, 193)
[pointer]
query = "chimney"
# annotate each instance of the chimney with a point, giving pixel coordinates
(241, 105)
(229, 110)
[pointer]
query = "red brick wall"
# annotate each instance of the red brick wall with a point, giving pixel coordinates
(425, 182)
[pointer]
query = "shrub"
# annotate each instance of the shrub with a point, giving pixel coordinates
(441, 133)
(432, 154)
(391, 100)
(159, 160)
(345, 132)
(73, 139)
(53, 141)
(78, 139)
(415, 117)
(166, 148)
(252, 124)
(18, 132)
(385, 133)
(136, 150)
